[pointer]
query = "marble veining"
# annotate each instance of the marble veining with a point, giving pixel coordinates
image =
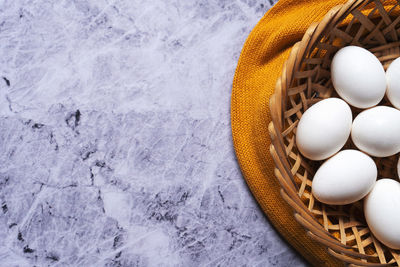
(115, 143)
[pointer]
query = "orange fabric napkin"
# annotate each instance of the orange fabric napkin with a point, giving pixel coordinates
(260, 65)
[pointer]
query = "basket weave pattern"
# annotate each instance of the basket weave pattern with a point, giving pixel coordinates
(305, 80)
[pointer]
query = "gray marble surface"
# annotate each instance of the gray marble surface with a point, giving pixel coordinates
(115, 136)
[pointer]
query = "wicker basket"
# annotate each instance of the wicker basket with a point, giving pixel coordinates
(305, 80)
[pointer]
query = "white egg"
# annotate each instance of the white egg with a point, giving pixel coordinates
(381, 209)
(324, 128)
(345, 178)
(376, 131)
(393, 83)
(358, 76)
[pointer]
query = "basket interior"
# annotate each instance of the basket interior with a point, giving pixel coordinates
(376, 27)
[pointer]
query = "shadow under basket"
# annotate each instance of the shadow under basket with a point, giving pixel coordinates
(305, 80)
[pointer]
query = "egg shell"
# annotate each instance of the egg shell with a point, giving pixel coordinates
(345, 178)
(324, 128)
(393, 83)
(358, 76)
(381, 209)
(376, 131)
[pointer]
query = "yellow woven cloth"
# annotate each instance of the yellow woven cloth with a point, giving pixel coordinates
(260, 65)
